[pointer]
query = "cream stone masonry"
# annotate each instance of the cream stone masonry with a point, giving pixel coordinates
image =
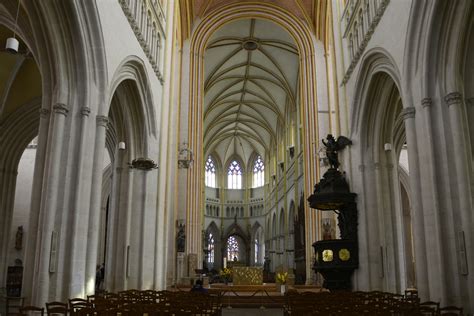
(359, 20)
(100, 83)
(146, 17)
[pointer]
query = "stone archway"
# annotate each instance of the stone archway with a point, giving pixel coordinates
(378, 126)
(310, 51)
(132, 234)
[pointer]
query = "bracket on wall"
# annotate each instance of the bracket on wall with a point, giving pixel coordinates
(185, 157)
(143, 164)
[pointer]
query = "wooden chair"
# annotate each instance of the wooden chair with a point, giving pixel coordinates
(451, 311)
(31, 310)
(57, 308)
(76, 304)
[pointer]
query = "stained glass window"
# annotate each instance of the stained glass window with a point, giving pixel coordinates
(232, 249)
(210, 248)
(234, 176)
(258, 172)
(210, 177)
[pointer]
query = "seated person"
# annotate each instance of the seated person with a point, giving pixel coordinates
(197, 287)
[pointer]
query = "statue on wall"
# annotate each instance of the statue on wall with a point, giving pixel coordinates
(333, 146)
(180, 239)
(19, 238)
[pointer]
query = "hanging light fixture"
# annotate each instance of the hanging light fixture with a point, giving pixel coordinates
(12, 42)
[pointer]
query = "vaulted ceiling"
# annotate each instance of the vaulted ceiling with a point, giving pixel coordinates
(251, 73)
(315, 13)
(20, 79)
(251, 80)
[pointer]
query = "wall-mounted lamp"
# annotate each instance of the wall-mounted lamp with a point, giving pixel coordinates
(387, 147)
(12, 43)
(121, 146)
(185, 157)
(143, 164)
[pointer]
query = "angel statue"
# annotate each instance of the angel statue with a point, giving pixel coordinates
(333, 146)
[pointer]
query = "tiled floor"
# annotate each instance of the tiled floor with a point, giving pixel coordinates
(252, 312)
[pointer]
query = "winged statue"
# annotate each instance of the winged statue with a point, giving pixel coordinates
(333, 146)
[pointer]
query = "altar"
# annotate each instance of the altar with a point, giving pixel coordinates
(247, 275)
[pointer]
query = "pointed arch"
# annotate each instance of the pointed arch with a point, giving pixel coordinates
(306, 44)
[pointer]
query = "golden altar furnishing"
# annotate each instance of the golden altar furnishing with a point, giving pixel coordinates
(247, 275)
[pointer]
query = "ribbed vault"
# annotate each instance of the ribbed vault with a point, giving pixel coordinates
(251, 80)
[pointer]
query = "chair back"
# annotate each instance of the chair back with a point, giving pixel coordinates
(57, 308)
(76, 304)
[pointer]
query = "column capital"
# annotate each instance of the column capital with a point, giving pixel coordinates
(44, 113)
(408, 113)
(426, 102)
(85, 111)
(102, 120)
(61, 108)
(453, 98)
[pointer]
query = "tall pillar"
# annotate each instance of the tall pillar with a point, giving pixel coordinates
(32, 250)
(421, 264)
(115, 254)
(432, 211)
(46, 259)
(462, 161)
(79, 236)
(95, 207)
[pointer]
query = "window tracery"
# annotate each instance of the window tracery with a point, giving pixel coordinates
(258, 172)
(210, 173)
(234, 176)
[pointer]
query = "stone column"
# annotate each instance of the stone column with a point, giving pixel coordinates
(95, 207)
(462, 160)
(432, 213)
(374, 231)
(142, 227)
(80, 216)
(45, 259)
(36, 198)
(421, 264)
(113, 266)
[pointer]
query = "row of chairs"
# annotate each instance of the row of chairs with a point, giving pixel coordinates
(134, 303)
(363, 303)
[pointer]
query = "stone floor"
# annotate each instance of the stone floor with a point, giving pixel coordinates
(252, 311)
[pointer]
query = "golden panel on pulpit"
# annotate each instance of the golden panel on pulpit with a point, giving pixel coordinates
(247, 275)
(327, 255)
